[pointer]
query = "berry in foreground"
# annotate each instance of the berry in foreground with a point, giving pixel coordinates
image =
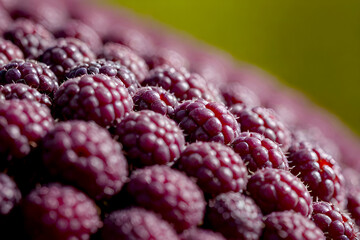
(353, 204)
(200, 234)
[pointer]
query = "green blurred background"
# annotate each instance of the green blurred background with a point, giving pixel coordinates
(313, 46)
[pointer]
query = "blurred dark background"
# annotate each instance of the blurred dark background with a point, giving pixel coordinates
(313, 46)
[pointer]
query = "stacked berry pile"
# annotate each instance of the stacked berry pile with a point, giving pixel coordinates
(111, 129)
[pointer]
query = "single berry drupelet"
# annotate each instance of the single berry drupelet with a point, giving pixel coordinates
(237, 96)
(22, 91)
(30, 37)
(169, 193)
(259, 152)
(201, 234)
(216, 167)
(206, 121)
(278, 190)
(9, 51)
(290, 225)
(66, 54)
(97, 98)
(136, 223)
(125, 56)
(264, 121)
(10, 196)
(353, 204)
(155, 99)
(23, 124)
(333, 222)
(165, 56)
(235, 216)
(150, 138)
(319, 171)
(60, 212)
(84, 154)
(109, 68)
(30, 72)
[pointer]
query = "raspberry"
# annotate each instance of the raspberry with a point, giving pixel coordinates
(168, 57)
(216, 167)
(278, 190)
(182, 84)
(22, 91)
(150, 138)
(30, 72)
(156, 99)
(66, 54)
(200, 234)
(9, 195)
(136, 223)
(206, 121)
(119, 53)
(291, 226)
(318, 170)
(22, 125)
(30, 37)
(9, 51)
(110, 68)
(81, 31)
(334, 223)
(353, 204)
(259, 152)
(60, 212)
(97, 98)
(170, 193)
(235, 216)
(264, 121)
(237, 96)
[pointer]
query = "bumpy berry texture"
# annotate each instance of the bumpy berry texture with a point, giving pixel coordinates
(110, 68)
(9, 51)
(278, 190)
(22, 91)
(66, 54)
(353, 204)
(119, 53)
(318, 170)
(150, 138)
(136, 223)
(30, 37)
(60, 212)
(259, 152)
(200, 234)
(30, 72)
(170, 193)
(85, 155)
(235, 216)
(216, 167)
(238, 96)
(9, 195)
(97, 98)
(168, 57)
(206, 121)
(155, 99)
(290, 225)
(264, 121)
(22, 125)
(336, 224)
(184, 85)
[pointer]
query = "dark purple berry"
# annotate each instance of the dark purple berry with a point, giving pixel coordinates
(9, 51)
(200, 234)
(10, 195)
(353, 204)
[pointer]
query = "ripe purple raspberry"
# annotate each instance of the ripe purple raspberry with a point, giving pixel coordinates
(9, 51)
(237, 96)
(216, 167)
(97, 98)
(30, 72)
(206, 121)
(278, 190)
(333, 222)
(22, 91)
(150, 138)
(353, 204)
(200, 234)
(156, 99)
(235, 216)
(319, 171)
(291, 226)
(259, 152)
(23, 124)
(125, 56)
(60, 212)
(66, 54)
(170, 193)
(110, 68)
(264, 121)
(10, 195)
(136, 223)
(168, 57)
(30, 37)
